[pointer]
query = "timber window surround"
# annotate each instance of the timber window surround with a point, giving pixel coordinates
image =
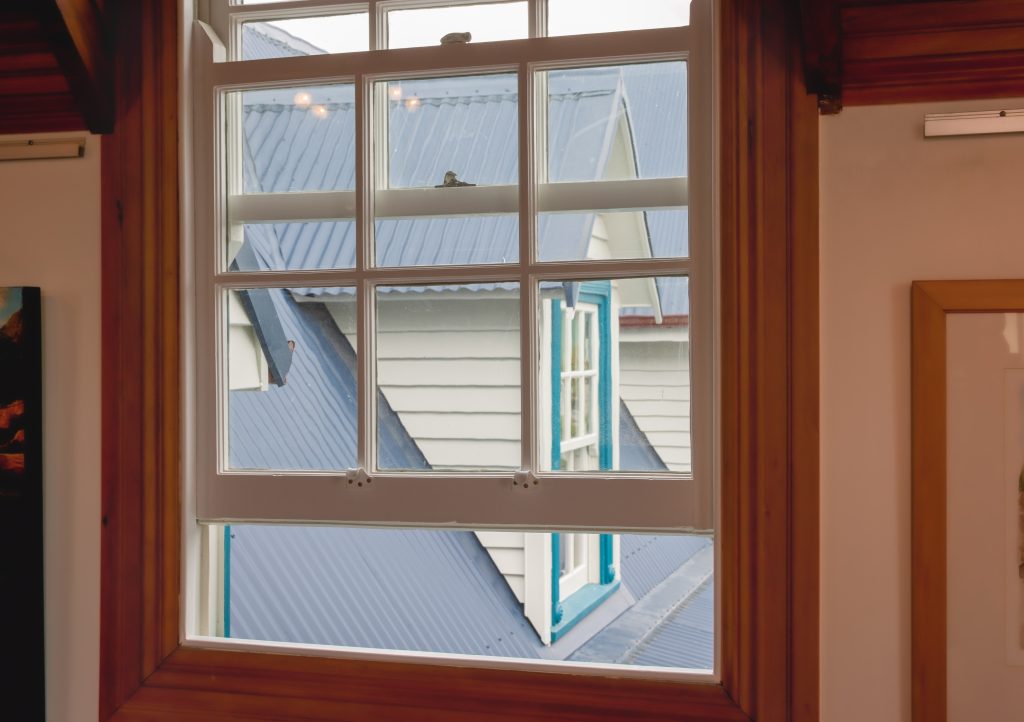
(149, 665)
(531, 193)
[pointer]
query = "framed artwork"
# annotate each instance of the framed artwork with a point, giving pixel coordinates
(1013, 483)
(967, 500)
(21, 504)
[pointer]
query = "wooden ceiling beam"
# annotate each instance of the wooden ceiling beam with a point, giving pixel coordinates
(952, 50)
(822, 52)
(79, 40)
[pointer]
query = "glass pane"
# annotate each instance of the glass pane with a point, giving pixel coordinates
(639, 391)
(466, 126)
(485, 22)
(300, 138)
(431, 241)
(293, 246)
(463, 592)
(448, 374)
(630, 234)
(291, 379)
(305, 36)
(616, 122)
(573, 17)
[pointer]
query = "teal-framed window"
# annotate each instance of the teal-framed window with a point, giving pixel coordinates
(581, 440)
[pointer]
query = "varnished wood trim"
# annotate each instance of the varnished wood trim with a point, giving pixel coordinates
(931, 301)
(769, 366)
(805, 438)
(928, 504)
(822, 51)
(79, 41)
(769, 529)
(916, 52)
(139, 537)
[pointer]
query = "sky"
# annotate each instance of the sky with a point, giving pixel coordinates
(488, 22)
(10, 301)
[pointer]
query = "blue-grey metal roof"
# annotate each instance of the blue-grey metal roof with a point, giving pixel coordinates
(686, 638)
(648, 559)
(469, 125)
(309, 423)
(635, 450)
(380, 588)
(261, 41)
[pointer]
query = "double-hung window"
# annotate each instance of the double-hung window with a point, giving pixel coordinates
(454, 312)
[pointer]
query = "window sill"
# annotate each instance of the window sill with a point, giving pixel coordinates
(580, 604)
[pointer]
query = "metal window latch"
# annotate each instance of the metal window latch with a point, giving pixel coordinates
(358, 477)
(452, 181)
(456, 38)
(525, 479)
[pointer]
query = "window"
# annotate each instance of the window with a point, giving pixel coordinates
(462, 287)
(769, 405)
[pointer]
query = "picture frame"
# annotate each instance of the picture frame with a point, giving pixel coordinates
(932, 305)
(21, 503)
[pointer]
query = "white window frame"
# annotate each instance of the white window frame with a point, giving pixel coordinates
(587, 411)
(529, 498)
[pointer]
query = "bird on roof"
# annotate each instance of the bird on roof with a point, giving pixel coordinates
(452, 181)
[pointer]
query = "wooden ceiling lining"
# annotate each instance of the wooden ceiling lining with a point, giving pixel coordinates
(906, 51)
(54, 67)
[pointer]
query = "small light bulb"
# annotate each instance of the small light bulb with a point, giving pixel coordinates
(303, 99)
(395, 91)
(412, 103)
(319, 111)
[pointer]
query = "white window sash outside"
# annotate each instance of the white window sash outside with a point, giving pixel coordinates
(530, 498)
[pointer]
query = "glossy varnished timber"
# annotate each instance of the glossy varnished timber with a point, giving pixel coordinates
(769, 540)
(933, 51)
(80, 43)
(55, 67)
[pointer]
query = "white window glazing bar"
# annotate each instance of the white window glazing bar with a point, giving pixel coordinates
(365, 342)
(554, 271)
(284, 207)
(581, 197)
(636, 46)
(529, 306)
(563, 501)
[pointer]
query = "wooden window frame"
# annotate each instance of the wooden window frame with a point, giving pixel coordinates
(769, 372)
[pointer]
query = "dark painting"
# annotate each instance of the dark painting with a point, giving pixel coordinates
(21, 506)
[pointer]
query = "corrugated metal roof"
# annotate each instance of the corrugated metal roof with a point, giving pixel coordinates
(432, 591)
(310, 422)
(648, 559)
(686, 638)
(266, 40)
(635, 450)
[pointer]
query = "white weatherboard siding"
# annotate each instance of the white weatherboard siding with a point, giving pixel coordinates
(508, 550)
(449, 366)
(655, 385)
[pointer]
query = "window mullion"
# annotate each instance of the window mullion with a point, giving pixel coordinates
(528, 360)
(377, 27)
(365, 334)
(538, 18)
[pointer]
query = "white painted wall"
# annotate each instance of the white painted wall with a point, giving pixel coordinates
(894, 208)
(50, 237)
